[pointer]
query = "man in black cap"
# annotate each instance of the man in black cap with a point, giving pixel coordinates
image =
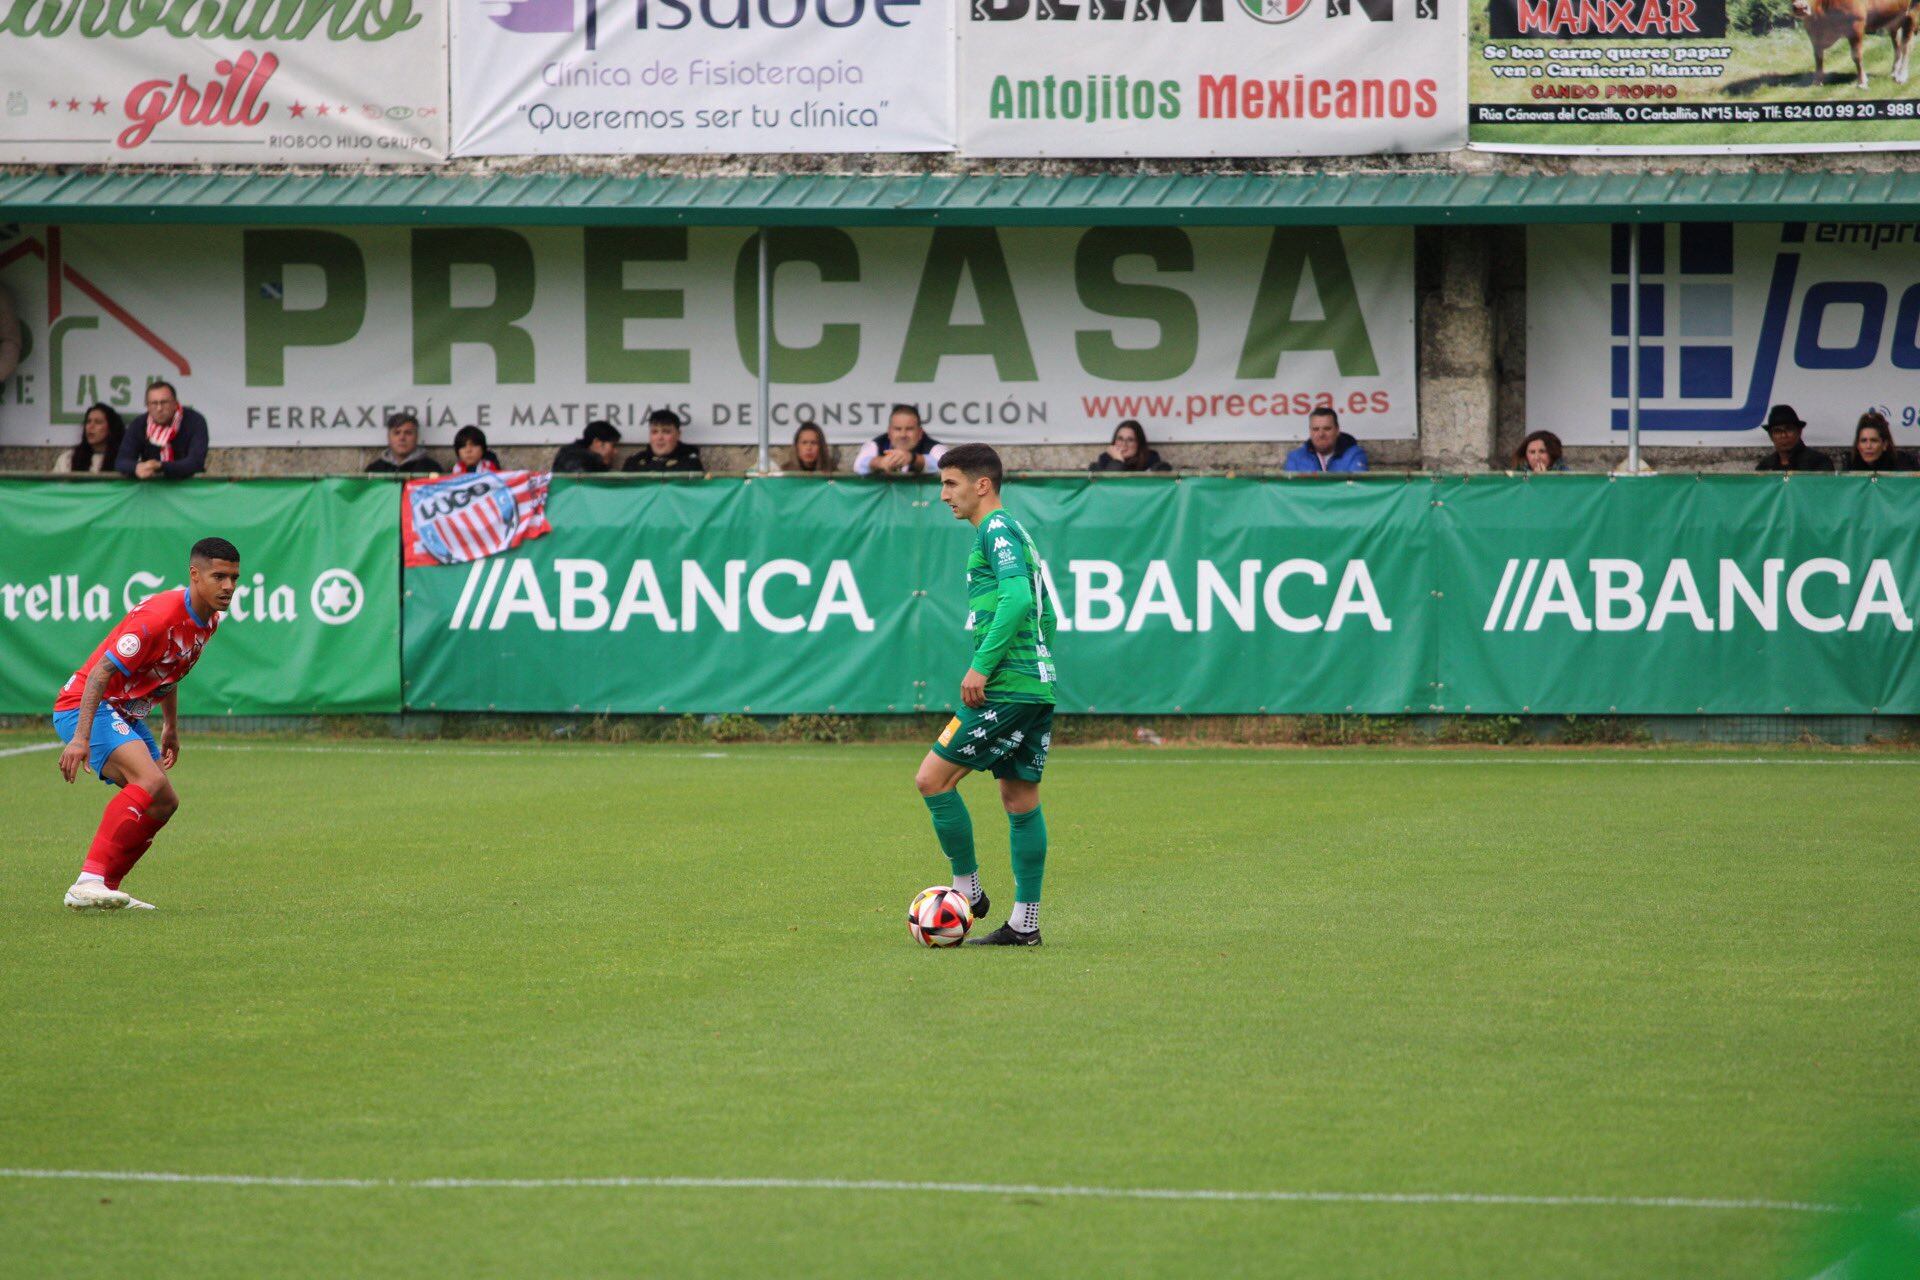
(665, 450)
(593, 451)
(1790, 452)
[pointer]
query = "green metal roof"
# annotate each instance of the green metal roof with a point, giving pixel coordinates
(1346, 199)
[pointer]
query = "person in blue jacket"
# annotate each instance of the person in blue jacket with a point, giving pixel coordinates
(1328, 448)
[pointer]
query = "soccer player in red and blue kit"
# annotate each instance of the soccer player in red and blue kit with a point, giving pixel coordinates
(101, 714)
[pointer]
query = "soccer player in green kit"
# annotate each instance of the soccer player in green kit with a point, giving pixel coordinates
(1006, 720)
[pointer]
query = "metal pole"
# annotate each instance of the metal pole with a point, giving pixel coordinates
(1633, 348)
(766, 360)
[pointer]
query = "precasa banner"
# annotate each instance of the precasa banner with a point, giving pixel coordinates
(311, 337)
(1676, 76)
(1735, 318)
(1211, 77)
(1556, 594)
(312, 628)
(546, 77)
(223, 81)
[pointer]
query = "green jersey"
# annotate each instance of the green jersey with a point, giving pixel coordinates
(1010, 612)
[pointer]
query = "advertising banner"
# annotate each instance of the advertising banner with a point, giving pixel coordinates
(1563, 594)
(550, 77)
(1823, 316)
(1211, 77)
(312, 628)
(310, 337)
(223, 82)
(1653, 76)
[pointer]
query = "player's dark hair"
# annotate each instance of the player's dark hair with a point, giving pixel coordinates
(1328, 414)
(664, 418)
(160, 383)
(906, 408)
(215, 549)
(974, 461)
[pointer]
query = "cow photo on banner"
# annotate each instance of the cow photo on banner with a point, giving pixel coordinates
(1735, 318)
(1211, 77)
(223, 82)
(607, 77)
(1654, 76)
(306, 336)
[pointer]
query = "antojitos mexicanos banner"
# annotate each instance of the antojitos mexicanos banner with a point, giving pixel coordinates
(653, 76)
(312, 627)
(1211, 77)
(223, 81)
(299, 337)
(1564, 594)
(1654, 76)
(1823, 316)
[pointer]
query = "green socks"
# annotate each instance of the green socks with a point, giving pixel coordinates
(954, 826)
(1029, 840)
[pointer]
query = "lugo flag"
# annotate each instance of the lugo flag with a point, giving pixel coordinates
(223, 81)
(595, 76)
(1650, 76)
(461, 518)
(1211, 77)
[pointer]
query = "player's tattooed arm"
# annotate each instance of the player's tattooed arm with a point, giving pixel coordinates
(170, 727)
(74, 758)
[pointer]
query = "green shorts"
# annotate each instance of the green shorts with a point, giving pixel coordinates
(1009, 739)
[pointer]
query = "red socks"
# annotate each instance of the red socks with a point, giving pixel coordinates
(126, 831)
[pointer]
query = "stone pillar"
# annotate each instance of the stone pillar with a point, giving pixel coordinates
(1457, 355)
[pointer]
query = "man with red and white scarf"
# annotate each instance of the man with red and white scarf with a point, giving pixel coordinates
(171, 440)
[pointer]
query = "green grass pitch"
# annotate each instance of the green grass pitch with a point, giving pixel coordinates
(1616, 976)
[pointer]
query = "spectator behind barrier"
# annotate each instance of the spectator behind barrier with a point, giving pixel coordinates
(593, 451)
(470, 452)
(1328, 448)
(100, 437)
(1873, 447)
(403, 452)
(1790, 453)
(168, 440)
(11, 346)
(809, 455)
(665, 450)
(904, 448)
(1129, 451)
(1539, 453)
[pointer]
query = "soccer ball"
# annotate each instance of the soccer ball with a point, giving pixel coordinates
(939, 917)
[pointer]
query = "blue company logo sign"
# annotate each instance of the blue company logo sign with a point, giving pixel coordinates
(1705, 365)
(557, 17)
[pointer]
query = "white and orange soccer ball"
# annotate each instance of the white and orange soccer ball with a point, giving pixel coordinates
(939, 917)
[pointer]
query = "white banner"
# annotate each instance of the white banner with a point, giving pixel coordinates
(1212, 77)
(303, 337)
(1735, 318)
(223, 82)
(547, 77)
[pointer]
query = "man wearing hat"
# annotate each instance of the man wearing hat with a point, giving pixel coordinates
(593, 451)
(1790, 452)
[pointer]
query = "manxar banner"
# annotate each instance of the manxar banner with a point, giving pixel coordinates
(544, 77)
(313, 625)
(1735, 318)
(291, 336)
(1650, 76)
(223, 81)
(1211, 77)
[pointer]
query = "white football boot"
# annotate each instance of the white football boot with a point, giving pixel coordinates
(89, 895)
(134, 904)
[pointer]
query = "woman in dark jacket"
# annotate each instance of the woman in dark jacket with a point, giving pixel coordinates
(99, 447)
(1129, 451)
(1873, 447)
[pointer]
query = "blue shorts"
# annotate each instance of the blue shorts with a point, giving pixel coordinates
(111, 731)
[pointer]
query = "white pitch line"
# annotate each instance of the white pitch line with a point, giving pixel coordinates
(21, 751)
(935, 1188)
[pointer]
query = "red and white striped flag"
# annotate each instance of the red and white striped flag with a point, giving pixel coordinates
(455, 519)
